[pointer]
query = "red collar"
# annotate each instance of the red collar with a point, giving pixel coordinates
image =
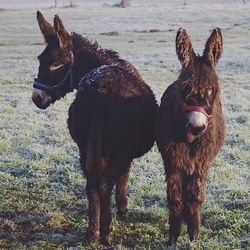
(197, 109)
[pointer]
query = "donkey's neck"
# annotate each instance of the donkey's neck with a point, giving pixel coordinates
(88, 56)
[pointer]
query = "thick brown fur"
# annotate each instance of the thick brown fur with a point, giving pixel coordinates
(111, 118)
(186, 164)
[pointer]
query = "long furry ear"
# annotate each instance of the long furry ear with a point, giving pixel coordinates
(45, 27)
(214, 47)
(61, 32)
(184, 49)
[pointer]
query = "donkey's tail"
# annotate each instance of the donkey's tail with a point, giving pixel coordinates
(94, 147)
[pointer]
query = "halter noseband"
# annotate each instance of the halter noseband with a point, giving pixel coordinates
(55, 91)
(197, 109)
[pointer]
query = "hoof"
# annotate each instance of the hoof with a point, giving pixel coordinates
(171, 244)
(171, 248)
(92, 237)
(194, 236)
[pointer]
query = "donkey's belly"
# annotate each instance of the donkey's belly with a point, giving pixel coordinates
(129, 126)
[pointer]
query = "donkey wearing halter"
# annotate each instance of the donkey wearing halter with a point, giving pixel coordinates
(111, 118)
(190, 131)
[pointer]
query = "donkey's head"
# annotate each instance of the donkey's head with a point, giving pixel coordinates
(54, 77)
(198, 82)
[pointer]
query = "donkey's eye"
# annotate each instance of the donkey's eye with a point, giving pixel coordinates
(210, 91)
(55, 66)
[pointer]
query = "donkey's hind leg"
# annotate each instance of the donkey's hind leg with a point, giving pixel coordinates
(94, 210)
(105, 191)
(193, 204)
(121, 193)
(175, 206)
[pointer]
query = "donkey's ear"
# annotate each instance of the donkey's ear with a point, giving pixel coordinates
(45, 27)
(61, 32)
(214, 47)
(184, 49)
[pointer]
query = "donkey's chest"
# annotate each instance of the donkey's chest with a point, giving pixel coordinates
(201, 147)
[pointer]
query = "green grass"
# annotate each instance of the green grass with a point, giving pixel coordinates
(43, 199)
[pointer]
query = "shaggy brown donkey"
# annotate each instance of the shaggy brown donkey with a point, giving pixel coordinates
(190, 131)
(111, 118)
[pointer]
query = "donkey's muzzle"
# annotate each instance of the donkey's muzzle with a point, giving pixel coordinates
(195, 130)
(41, 99)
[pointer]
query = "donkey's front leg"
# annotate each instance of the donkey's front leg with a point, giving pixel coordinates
(105, 191)
(194, 200)
(94, 210)
(175, 206)
(121, 193)
(193, 221)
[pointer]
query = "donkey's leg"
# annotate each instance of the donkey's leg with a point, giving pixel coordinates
(193, 204)
(93, 200)
(94, 210)
(174, 194)
(121, 193)
(105, 191)
(193, 223)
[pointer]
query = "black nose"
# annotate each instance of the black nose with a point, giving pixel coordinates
(196, 130)
(37, 99)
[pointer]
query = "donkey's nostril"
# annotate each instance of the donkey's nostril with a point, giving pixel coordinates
(41, 99)
(196, 130)
(36, 98)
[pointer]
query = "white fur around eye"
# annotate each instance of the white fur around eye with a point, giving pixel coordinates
(209, 92)
(55, 67)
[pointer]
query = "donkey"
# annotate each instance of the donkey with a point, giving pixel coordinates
(190, 131)
(111, 119)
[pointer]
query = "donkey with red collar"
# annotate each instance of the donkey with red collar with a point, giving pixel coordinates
(190, 131)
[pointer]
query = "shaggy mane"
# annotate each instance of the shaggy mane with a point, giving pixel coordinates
(86, 46)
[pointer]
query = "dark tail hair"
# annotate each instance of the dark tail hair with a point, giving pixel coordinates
(94, 148)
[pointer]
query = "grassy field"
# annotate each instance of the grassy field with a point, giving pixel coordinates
(43, 204)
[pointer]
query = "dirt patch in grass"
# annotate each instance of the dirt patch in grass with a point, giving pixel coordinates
(111, 33)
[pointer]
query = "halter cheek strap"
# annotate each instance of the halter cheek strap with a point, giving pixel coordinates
(55, 91)
(198, 109)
